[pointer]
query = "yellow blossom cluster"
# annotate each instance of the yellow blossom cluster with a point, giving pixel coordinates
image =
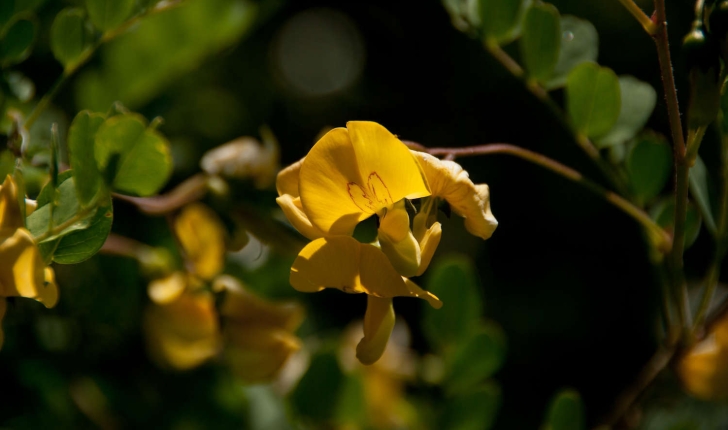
(184, 327)
(359, 171)
(22, 271)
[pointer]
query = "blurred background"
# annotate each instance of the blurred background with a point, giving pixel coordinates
(566, 276)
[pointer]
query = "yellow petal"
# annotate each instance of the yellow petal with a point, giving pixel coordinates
(22, 270)
(378, 325)
(293, 210)
(242, 307)
(330, 185)
(184, 333)
(10, 215)
(202, 236)
(49, 295)
(397, 241)
(3, 308)
(167, 289)
(287, 179)
(428, 245)
(343, 263)
(256, 354)
(448, 180)
(385, 163)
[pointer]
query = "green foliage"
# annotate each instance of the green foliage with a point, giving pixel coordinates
(540, 41)
(566, 412)
(579, 44)
(664, 215)
(81, 143)
(472, 410)
(700, 182)
(592, 99)
(83, 244)
(108, 14)
(135, 158)
(454, 281)
(70, 36)
(499, 19)
(476, 358)
(638, 100)
(16, 40)
(317, 394)
(649, 164)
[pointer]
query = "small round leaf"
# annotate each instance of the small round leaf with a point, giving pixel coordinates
(541, 40)
(16, 41)
(69, 36)
(593, 99)
(109, 14)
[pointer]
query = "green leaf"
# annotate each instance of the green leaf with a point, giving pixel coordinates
(592, 99)
(16, 41)
(664, 215)
(474, 410)
(649, 164)
(499, 19)
(638, 101)
(317, 395)
(477, 358)
(566, 412)
(7, 164)
(70, 36)
(108, 14)
(65, 209)
(84, 244)
(81, 138)
(541, 40)
(699, 187)
(144, 161)
(454, 281)
(579, 44)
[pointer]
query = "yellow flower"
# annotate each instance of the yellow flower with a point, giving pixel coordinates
(450, 182)
(259, 334)
(22, 271)
(704, 369)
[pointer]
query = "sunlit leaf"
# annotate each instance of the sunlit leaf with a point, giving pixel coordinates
(540, 40)
(664, 215)
(700, 182)
(16, 41)
(69, 36)
(454, 281)
(84, 244)
(473, 410)
(592, 99)
(649, 164)
(499, 18)
(108, 14)
(566, 412)
(579, 44)
(138, 157)
(638, 101)
(81, 138)
(476, 358)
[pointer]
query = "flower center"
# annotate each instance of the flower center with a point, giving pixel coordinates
(372, 198)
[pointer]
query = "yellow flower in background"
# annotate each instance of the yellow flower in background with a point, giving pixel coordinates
(703, 370)
(22, 271)
(259, 335)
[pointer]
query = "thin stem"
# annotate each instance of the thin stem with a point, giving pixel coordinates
(657, 234)
(192, 189)
(640, 16)
(695, 138)
(681, 167)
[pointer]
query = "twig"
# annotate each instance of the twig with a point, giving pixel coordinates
(658, 235)
(640, 16)
(192, 189)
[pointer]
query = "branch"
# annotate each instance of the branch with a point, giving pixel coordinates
(192, 189)
(640, 16)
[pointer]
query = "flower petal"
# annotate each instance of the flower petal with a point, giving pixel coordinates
(428, 245)
(448, 180)
(378, 324)
(385, 163)
(22, 270)
(396, 240)
(343, 263)
(167, 289)
(202, 236)
(288, 178)
(11, 217)
(242, 307)
(49, 295)
(255, 353)
(293, 210)
(330, 185)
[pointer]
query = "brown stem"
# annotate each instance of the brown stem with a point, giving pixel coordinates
(192, 189)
